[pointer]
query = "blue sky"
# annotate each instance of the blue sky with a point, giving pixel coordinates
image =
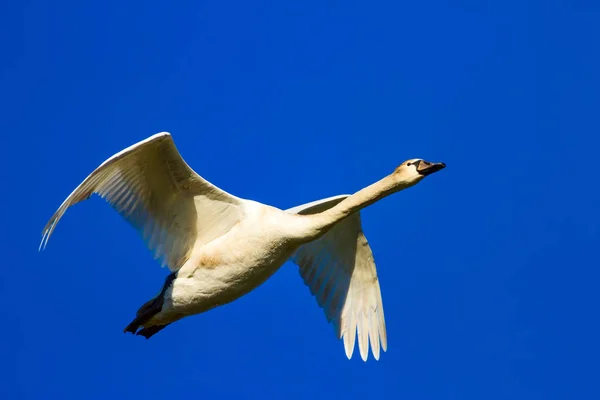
(488, 269)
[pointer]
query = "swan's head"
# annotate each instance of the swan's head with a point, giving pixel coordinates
(410, 172)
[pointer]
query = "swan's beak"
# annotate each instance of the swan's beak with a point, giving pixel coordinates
(427, 168)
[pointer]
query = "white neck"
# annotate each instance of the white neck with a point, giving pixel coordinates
(318, 224)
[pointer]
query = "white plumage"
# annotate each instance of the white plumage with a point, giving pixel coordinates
(219, 247)
(340, 271)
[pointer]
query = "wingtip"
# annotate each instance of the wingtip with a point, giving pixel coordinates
(364, 354)
(348, 347)
(46, 233)
(384, 346)
(43, 242)
(376, 351)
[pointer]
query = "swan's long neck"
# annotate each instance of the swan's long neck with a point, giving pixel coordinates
(318, 224)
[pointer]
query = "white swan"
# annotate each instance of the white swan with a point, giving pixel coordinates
(219, 247)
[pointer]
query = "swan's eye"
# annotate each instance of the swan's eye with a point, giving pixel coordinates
(408, 164)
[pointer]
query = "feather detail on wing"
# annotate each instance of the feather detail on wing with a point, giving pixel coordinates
(152, 187)
(340, 271)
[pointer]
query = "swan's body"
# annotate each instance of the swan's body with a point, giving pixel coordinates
(220, 247)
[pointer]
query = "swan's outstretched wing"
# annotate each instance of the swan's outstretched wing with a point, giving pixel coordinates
(340, 271)
(153, 188)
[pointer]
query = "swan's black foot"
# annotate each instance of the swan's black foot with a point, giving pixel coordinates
(148, 310)
(150, 331)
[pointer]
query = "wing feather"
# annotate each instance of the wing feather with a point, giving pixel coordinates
(151, 187)
(340, 272)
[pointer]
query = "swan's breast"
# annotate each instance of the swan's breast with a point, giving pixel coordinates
(233, 264)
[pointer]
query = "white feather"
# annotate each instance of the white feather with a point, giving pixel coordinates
(353, 301)
(222, 246)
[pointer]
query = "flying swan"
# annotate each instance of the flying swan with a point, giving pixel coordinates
(219, 247)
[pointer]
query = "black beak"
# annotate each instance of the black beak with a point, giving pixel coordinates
(427, 168)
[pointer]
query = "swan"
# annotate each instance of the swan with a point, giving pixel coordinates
(219, 247)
